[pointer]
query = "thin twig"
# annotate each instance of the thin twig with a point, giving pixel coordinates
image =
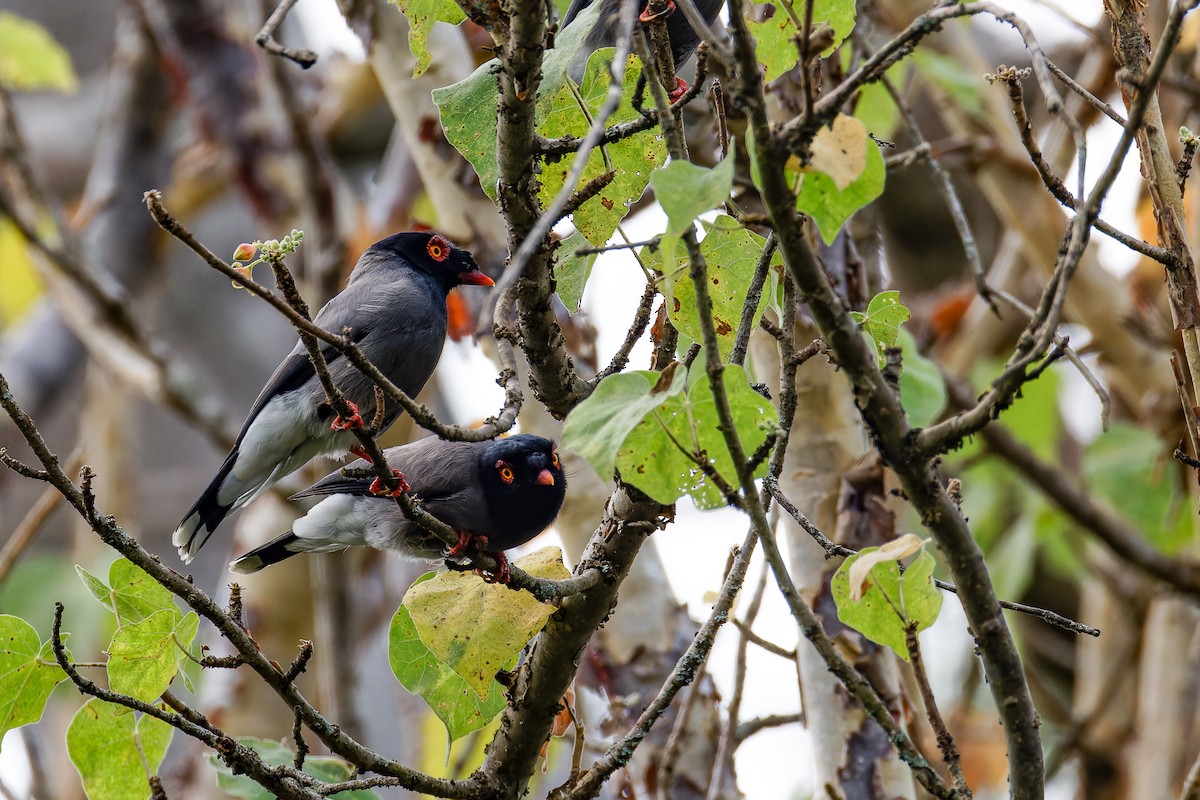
(266, 37)
(944, 739)
(684, 672)
(741, 342)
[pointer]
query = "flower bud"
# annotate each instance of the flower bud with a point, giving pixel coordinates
(244, 252)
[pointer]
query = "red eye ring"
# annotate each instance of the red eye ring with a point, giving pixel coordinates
(554, 460)
(438, 248)
(506, 472)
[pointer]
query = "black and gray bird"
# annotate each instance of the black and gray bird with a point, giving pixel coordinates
(394, 304)
(504, 490)
(684, 39)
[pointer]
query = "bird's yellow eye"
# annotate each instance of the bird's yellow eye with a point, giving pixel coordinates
(554, 460)
(438, 248)
(506, 472)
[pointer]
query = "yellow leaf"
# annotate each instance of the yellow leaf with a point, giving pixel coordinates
(31, 59)
(17, 275)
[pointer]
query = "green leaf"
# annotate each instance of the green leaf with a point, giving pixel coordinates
(876, 108)
(961, 85)
(571, 272)
(882, 320)
(144, 656)
(421, 672)
(830, 207)
(686, 190)
(474, 627)
(329, 769)
(468, 108)
(421, 16)
(1033, 418)
(889, 602)
(1128, 468)
(130, 593)
(114, 754)
(30, 58)
(922, 390)
(632, 159)
(650, 457)
(732, 253)
(596, 427)
(28, 674)
(776, 48)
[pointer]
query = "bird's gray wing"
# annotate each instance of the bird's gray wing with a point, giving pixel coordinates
(296, 370)
(438, 471)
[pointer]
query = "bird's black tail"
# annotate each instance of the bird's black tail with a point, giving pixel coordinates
(270, 553)
(204, 516)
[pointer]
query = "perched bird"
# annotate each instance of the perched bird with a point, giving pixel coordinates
(500, 493)
(394, 304)
(684, 39)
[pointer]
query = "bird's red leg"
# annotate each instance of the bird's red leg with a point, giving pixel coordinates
(378, 489)
(361, 452)
(465, 540)
(355, 421)
(502, 573)
(646, 16)
(680, 89)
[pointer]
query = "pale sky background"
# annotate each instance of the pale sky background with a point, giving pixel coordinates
(771, 765)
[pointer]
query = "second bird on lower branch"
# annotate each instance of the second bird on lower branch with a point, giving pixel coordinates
(499, 494)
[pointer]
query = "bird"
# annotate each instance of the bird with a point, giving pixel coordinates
(684, 39)
(498, 494)
(394, 304)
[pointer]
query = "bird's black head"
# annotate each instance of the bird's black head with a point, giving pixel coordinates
(427, 251)
(524, 485)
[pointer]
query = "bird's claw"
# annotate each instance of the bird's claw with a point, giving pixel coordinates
(465, 540)
(379, 490)
(355, 421)
(501, 575)
(646, 16)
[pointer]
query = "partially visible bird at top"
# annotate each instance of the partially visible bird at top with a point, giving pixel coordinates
(684, 39)
(394, 304)
(498, 494)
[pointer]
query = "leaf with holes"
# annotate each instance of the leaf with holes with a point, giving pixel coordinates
(657, 455)
(475, 627)
(632, 159)
(421, 672)
(421, 16)
(468, 108)
(775, 37)
(732, 253)
(596, 427)
(882, 320)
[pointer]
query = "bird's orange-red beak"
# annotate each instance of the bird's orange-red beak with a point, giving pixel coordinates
(545, 478)
(475, 278)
